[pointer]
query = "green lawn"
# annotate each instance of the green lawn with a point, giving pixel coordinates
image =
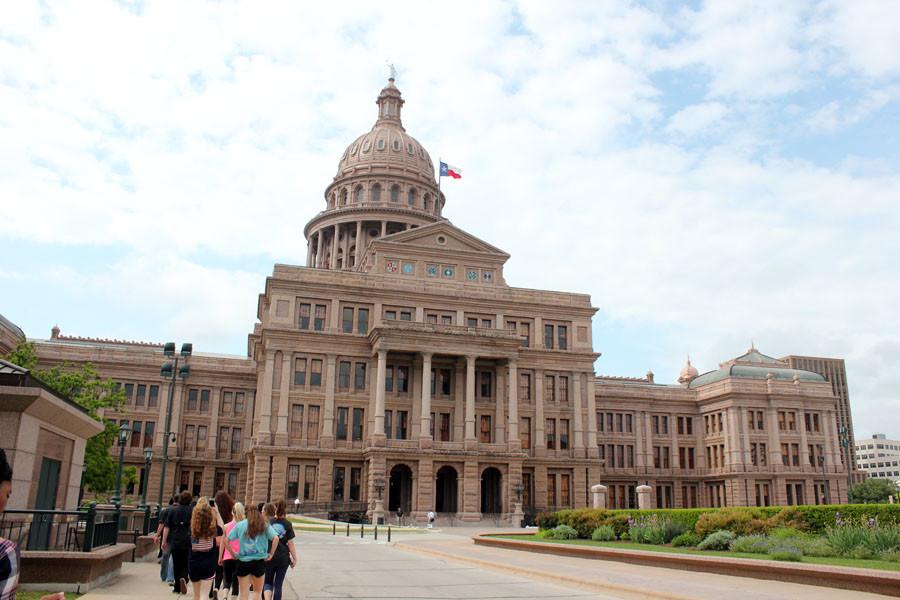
(38, 595)
(814, 560)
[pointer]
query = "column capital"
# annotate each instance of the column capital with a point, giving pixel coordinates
(427, 355)
(471, 358)
(382, 354)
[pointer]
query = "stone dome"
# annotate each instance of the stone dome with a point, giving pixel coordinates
(688, 373)
(387, 146)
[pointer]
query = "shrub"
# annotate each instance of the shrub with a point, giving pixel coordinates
(717, 540)
(604, 533)
(646, 533)
(785, 552)
(786, 533)
(671, 530)
(789, 517)
(883, 539)
(862, 552)
(816, 546)
(563, 532)
(752, 544)
(845, 540)
(737, 521)
(686, 539)
(546, 520)
(619, 522)
(893, 556)
(583, 520)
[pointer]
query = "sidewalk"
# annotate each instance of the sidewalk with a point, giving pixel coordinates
(138, 580)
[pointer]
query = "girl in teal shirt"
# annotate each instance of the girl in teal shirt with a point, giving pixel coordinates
(253, 534)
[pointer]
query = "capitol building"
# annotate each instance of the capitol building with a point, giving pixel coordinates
(400, 361)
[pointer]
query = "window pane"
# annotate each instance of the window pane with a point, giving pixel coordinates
(362, 320)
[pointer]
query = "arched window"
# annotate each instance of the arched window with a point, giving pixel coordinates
(344, 197)
(395, 193)
(426, 201)
(411, 197)
(376, 193)
(352, 256)
(358, 194)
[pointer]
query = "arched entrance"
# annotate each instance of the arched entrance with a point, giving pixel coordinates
(491, 499)
(445, 490)
(400, 490)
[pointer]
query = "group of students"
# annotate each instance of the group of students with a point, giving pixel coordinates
(225, 549)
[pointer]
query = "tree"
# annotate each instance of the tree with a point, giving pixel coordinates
(85, 387)
(873, 491)
(129, 479)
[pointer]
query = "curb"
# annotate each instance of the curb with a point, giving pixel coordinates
(626, 590)
(845, 578)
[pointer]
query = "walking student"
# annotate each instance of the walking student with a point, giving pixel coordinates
(165, 558)
(224, 506)
(254, 535)
(284, 556)
(204, 554)
(177, 540)
(228, 553)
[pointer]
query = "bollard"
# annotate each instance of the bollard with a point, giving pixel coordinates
(389, 534)
(334, 529)
(361, 531)
(348, 529)
(376, 533)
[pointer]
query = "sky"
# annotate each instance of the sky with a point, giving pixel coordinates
(713, 174)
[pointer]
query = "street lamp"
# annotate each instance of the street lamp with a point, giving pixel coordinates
(148, 456)
(518, 489)
(378, 513)
(124, 432)
(849, 456)
(824, 480)
(170, 370)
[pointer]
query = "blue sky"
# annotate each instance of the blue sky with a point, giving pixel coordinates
(710, 173)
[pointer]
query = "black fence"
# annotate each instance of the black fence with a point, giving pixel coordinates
(61, 530)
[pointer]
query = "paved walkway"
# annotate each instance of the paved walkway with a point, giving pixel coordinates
(445, 564)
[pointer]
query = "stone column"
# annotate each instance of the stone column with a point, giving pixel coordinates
(383, 228)
(425, 427)
(640, 456)
(674, 460)
(334, 248)
(317, 257)
(470, 401)
(380, 376)
(309, 252)
(512, 428)
(360, 246)
(540, 443)
(327, 438)
(592, 450)
(578, 424)
(599, 493)
(775, 463)
(804, 442)
(829, 428)
(459, 386)
(499, 393)
(643, 497)
(284, 400)
(265, 399)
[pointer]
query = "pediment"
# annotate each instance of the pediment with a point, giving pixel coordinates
(446, 237)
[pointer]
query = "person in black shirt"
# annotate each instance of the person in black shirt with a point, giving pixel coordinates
(177, 539)
(285, 553)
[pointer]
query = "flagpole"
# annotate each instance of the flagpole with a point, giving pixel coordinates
(439, 178)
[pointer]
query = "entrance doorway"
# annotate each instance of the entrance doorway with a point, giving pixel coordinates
(491, 499)
(445, 490)
(48, 486)
(400, 491)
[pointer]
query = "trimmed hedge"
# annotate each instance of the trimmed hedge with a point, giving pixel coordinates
(758, 519)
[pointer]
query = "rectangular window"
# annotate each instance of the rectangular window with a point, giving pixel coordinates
(565, 498)
(390, 315)
(548, 337)
(153, 398)
(136, 434)
(781, 420)
(795, 455)
(563, 388)
(446, 378)
(141, 395)
(359, 377)
(224, 438)
(471, 322)
(402, 424)
(405, 315)
(525, 387)
(149, 429)
(293, 481)
(204, 401)
(341, 427)
(485, 377)
(129, 392)
(792, 421)
(189, 437)
(358, 415)
(227, 403)
(487, 324)
(816, 422)
(431, 318)
(344, 375)
(303, 321)
(309, 483)
(235, 440)
(628, 423)
(315, 375)
(347, 319)
(355, 477)
(654, 420)
(362, 321)
(446, 319)
(550, 431)
(201, 437)
(193, 396)
(389, 379)
(485, 434)
(562, 335)
(563, 434)
(312, 424)
(388, 424)
(525, 432)
(551, 490)
(525, 334)
(599, 422)
(549, 388)
(238, 404)
(445, 427)
(785, 455)
(403, 380)
(319, 322)
(337, 489)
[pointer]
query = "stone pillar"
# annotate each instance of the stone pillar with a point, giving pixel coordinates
(284, 400)
(774, 442)
(600, 494)
(334, 248)
(317, 257)
(499, 393)
(459, 386)
(592, 450)
(360, 245)
(470, 401)
(674, 460)
(383, 228)
(512, 428)
(804, 442)
(326, 440)
(425, 427)
(380, 376)
(643, 497)
(540, 442)
(829, 428)
(309, 252)
(265, 399)
(579, 417)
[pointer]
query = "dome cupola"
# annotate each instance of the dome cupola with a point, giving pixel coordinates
(688, 373)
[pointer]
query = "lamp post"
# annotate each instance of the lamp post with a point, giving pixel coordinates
(378, 513)
(848, 456)
(170, 370)
(148, 456)
(123, 439)
(518, 515)
(825, 489)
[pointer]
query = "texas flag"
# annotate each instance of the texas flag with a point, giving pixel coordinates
(450, 171)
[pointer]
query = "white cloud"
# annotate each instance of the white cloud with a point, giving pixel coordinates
(696, 119)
